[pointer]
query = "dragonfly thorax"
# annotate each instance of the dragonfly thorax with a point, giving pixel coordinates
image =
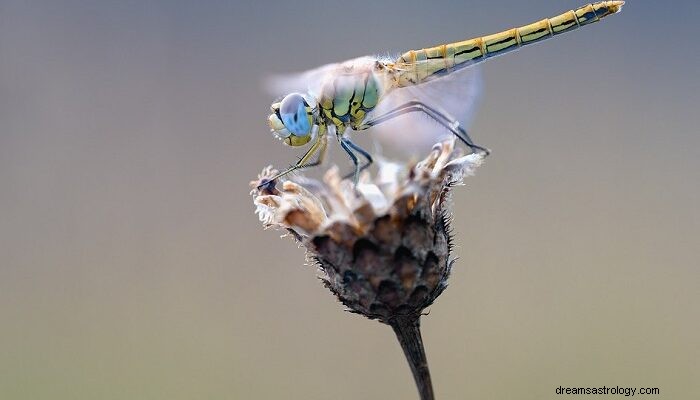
(345, 99)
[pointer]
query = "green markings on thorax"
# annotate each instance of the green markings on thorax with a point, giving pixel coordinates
(347, 98)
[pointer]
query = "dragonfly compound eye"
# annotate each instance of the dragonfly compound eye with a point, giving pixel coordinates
(295, 114)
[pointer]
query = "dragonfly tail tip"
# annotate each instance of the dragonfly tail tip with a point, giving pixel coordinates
(616, 6)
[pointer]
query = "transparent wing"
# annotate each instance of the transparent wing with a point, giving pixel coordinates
(312, 80)
(456, 94)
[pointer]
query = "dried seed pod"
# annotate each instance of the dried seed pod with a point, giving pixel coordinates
(383, 248)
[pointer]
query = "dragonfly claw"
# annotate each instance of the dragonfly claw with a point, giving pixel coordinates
(267, 186)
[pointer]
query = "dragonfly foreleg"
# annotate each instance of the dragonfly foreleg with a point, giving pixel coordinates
(319, 147)
(440, 117)
(364, 154)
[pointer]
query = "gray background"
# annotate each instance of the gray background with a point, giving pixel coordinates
(132, 266)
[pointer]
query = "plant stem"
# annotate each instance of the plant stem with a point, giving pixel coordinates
(407, 330)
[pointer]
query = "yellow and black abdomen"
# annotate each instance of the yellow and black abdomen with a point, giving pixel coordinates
(417, 66)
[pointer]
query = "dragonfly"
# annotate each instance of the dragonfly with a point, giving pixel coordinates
(367, 92)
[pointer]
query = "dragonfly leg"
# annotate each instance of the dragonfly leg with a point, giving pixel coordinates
(440, 117)
(348, 149)
(364, 154)
(319, 147)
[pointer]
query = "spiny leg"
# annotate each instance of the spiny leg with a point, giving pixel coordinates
(319, 147)
(348, 149)
(364, 154)
(440, 117)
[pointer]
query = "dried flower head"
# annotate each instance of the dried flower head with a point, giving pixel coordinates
(382, 248)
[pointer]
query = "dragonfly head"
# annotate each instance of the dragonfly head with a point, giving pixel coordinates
(292, 119)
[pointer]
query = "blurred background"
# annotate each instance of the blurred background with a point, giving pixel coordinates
(132, 265)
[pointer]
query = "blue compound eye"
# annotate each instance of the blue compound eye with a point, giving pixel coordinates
(294, 116)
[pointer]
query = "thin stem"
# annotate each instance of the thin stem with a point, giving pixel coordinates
(407, 330)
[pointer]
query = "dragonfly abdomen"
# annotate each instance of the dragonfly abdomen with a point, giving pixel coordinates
(420, 65)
